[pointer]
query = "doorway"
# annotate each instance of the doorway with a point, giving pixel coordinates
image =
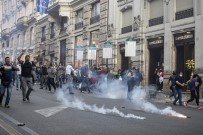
(184, 53)
(156, 59)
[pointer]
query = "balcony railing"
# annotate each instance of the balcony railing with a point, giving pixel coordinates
(78, 25)
(43, 39)
(95, 19)
(52, 35)
(5, 33)
(156, 21)
(184, 14)
(126, 29)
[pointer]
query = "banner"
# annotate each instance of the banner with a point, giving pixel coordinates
(130, 48)
(42, 6)
(79, 53)
(107, 50)
(92, 53)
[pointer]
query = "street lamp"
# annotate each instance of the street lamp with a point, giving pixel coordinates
(167, 2)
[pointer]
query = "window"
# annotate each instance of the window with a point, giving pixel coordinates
(7, 43)
(52, 28)
(184, 5)
(64, 23)
(127, 17)
(31, 35)
(79, 17)
(43, 34)
(95, 9)
(24, 38)
(156, 9)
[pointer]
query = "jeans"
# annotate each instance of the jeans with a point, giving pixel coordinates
(60, 81)
(8, 89)
(179, 97)
(50, 81)
(18, 80)
(193, 96)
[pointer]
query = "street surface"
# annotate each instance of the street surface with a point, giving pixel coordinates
(45, 115)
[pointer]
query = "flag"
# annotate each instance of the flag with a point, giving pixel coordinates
(42, 6)
(130, 48)
(92, 51)
(107, 50)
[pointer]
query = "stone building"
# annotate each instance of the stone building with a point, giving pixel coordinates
(17, 27)
(167, 32)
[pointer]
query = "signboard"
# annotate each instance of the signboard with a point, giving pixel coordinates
(155, 42)
(130, 48)
(79, 52)
(184, 38)
(92, 51)
(107, 50)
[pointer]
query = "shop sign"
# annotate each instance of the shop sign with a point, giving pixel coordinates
(156, 42)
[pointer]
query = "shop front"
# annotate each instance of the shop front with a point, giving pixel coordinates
(156, 57)
(184, 43)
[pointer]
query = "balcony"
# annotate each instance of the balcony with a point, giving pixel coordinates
(95, 19)
(78, 25)
(58, 6)
(22, 22)
(184, 14)
(5, 33)
(43, 39)
(156, 21)
(126, 29)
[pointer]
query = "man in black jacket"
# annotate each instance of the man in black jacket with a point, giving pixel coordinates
(6, 81)
(26, 78)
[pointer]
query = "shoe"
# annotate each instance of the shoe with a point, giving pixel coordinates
(185, 104)
(7, 106)
(27, 97)
(71, 93)
(41, 88)
(174, 103)
(24, 99)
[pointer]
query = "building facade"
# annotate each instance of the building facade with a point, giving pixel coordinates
(167, 33)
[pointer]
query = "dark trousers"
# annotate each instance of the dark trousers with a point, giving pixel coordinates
(50, 82)
(193, 96)
(179, 97)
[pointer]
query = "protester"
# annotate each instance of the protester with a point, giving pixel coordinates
(6, 81)
(172, 83)
(51, 75)
(179, 88)
(26, 77)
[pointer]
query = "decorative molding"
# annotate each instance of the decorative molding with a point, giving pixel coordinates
(136, 23)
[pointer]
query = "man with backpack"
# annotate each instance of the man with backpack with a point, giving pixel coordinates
(6, 81)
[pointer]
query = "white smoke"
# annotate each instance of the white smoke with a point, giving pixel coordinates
(139, 97)
(113, 90)
(74, 102)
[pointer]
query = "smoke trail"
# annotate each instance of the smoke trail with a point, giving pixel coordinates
(139, 99)
(139, 96)
(74, 102)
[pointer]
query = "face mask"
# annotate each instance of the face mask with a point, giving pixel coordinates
(181, 75)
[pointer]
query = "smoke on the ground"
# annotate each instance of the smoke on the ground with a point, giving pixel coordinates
(74, 102)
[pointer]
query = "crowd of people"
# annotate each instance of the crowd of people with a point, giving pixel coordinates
(25, 73)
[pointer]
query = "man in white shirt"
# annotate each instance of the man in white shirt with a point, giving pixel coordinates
(69, 69)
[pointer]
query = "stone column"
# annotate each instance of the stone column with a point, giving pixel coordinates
(199, 40)
(168, 46)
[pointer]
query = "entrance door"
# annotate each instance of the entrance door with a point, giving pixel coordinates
(184, 53)
(156, 58)
(124, 62)
(63, 52)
